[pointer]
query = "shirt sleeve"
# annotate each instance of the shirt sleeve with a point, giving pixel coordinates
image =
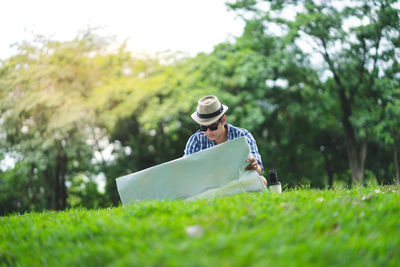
(254, 150)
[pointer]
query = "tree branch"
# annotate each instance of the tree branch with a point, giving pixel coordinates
(362, 68)
(377, 45)
(343, 99)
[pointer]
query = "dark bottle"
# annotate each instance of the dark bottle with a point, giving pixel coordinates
(274, 184)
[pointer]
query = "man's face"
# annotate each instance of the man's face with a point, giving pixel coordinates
(217, 134)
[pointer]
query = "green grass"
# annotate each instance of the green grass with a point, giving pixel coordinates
(355, 227)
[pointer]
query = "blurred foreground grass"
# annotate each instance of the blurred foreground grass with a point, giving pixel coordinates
(348, 227)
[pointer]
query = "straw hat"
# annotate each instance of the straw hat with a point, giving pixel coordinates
(209, 110)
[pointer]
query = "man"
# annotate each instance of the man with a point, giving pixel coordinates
(214, 130)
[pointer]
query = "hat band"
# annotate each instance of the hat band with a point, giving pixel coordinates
(210, 115)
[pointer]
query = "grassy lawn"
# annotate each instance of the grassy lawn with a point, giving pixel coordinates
(347, 227)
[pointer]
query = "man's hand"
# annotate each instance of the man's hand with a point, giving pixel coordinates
(253, 165)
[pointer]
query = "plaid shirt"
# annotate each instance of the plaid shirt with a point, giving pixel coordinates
(199, 141)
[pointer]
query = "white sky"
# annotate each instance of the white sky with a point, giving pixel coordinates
(149, 25)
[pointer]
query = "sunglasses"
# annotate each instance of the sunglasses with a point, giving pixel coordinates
(212, 127)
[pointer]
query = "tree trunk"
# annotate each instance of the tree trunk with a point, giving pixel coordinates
(63, 193)
(49, 185)
(56, 186)
(356, 159)
(60, 188)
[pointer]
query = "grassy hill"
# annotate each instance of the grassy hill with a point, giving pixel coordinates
(349, 227)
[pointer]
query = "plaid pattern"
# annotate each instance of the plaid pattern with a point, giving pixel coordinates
(199, 141)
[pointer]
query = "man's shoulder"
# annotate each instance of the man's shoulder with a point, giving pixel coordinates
(240, 131)
(196, 136)
(198, 133)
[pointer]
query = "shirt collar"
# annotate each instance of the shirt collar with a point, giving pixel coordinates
(228, 136)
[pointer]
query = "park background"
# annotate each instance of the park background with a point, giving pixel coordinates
(316, 82)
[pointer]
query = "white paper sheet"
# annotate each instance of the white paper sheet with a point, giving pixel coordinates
(219, 170)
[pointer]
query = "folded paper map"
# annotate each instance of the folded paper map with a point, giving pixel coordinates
(216, 171)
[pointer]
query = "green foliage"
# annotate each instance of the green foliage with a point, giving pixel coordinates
(84, 192)
(355, 227)
(19, 190)
(45, 116)
(357, 43)
(270, 92)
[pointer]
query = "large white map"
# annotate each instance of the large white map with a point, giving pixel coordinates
(216, 171)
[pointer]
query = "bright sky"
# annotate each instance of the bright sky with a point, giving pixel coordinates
(149, 25)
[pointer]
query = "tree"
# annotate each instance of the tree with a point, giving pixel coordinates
(387, 118)
(355, 42)
(46, 120)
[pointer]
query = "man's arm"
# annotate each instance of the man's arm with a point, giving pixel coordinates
(254, 152)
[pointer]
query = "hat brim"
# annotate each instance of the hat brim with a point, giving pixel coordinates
(209, 121)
